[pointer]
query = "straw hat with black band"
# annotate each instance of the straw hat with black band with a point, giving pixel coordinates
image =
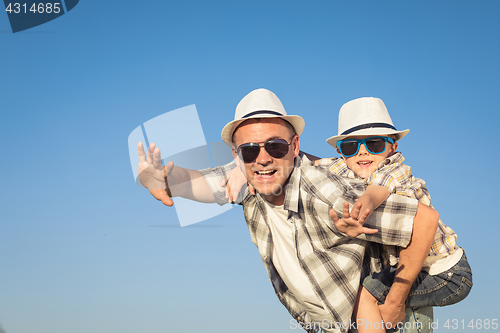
(260, 103)
(365, 116)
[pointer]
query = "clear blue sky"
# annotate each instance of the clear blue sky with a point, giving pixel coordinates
(83, 249)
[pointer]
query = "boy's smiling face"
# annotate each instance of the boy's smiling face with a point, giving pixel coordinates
(363, 164)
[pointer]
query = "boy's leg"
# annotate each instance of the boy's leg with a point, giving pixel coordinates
(417, 320)
(442, 289)
(446, 288)
(367, 314)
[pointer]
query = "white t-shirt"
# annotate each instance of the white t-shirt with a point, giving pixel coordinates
(284, 257)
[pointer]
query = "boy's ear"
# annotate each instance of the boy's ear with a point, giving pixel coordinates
(338, 151)
(394, 147)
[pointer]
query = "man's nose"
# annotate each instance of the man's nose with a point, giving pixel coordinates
(264, 157)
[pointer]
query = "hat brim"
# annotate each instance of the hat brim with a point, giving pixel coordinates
(297, 122)
(368, 131)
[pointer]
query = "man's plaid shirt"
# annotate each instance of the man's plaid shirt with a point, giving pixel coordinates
(331, 260)
(397, 178)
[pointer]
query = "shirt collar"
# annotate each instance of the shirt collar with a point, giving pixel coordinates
(395, 158)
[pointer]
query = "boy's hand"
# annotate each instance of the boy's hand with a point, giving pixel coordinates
(350, 226)
(152, 175)
(363, 204)
(251, 189)
(234, 183)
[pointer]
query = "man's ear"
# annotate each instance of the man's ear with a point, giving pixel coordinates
(296, 145)
(235, 155)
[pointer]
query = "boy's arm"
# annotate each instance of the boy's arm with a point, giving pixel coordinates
(171, 181)
(380, 185)
(234, 182)
(352, 224)
(372, 198)
(349, 226)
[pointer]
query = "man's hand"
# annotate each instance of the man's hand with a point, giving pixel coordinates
(392, 314)
(152, 175)
(350, 226)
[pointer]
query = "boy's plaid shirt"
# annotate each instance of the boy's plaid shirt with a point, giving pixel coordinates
(397, 178)
(331, 260)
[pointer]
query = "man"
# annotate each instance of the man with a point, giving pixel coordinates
(315, 270)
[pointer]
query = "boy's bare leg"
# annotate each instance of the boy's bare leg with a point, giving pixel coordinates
(367, 314)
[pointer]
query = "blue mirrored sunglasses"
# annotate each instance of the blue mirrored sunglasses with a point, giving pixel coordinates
(374, 145)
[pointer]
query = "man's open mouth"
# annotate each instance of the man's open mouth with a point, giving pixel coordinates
(266, 172)
(365, 162)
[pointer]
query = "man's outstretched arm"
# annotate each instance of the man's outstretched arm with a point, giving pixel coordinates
(170, 181)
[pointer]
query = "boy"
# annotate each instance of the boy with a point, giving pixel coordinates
(367, 141)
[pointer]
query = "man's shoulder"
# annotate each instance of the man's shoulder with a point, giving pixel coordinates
(329, 162)
(321, 177)
(307, 167)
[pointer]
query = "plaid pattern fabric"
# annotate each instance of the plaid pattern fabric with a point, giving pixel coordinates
(331, 260)
(397, 178)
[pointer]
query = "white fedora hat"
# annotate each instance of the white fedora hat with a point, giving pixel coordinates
(260, 103)
(365, 116)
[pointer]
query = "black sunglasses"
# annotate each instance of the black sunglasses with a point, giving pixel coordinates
(276, 148)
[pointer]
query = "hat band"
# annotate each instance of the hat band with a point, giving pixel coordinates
(262, 112)
(369, 125)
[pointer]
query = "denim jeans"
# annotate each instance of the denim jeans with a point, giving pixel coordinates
(417, 320)
(446, 288)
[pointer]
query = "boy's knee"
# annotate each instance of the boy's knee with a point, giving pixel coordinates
(366, 297)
